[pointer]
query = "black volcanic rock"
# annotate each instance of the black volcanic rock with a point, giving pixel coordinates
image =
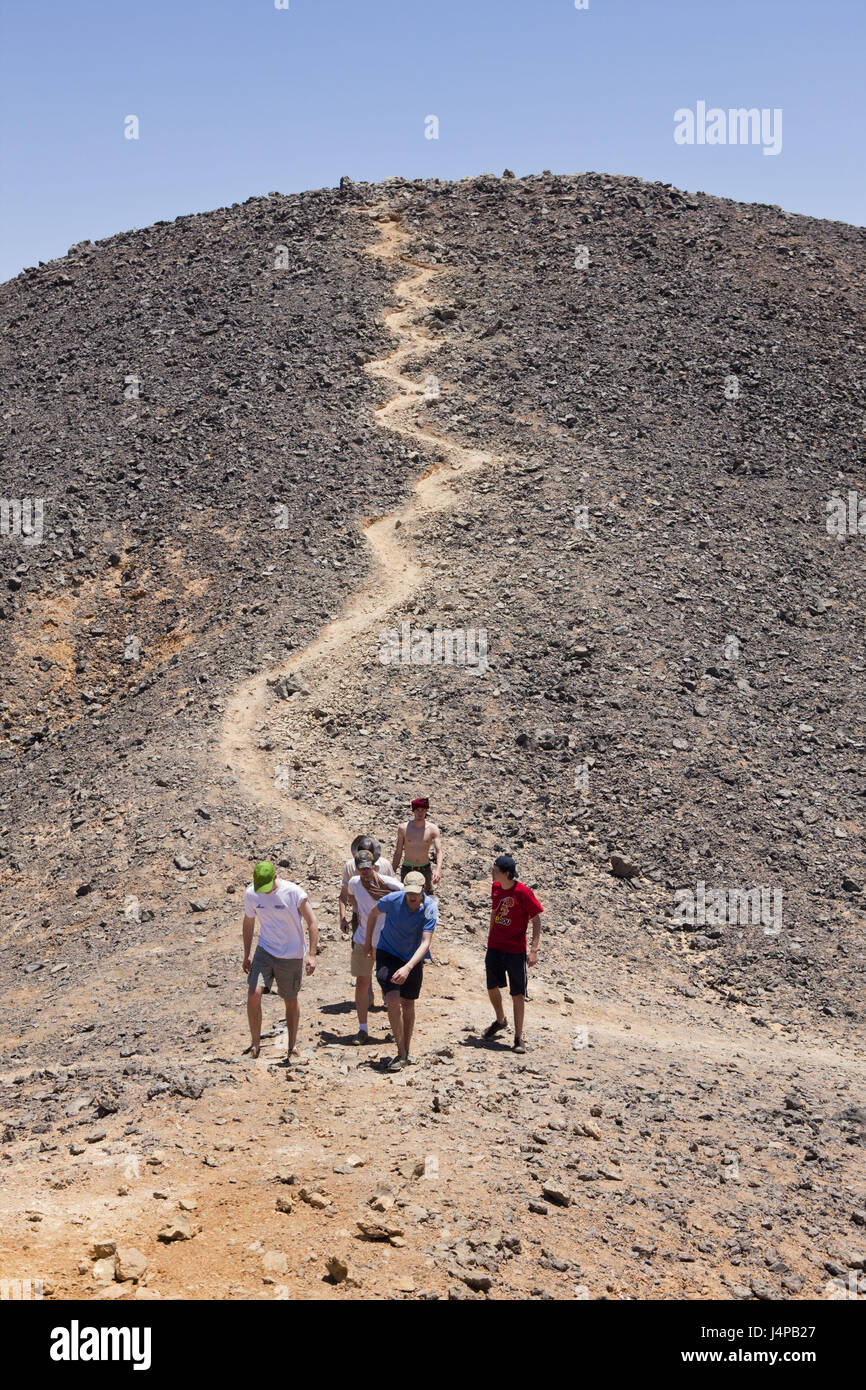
(675, 641)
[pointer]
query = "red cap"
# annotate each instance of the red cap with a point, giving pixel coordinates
(420, 801)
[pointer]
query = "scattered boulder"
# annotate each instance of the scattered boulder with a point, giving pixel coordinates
(102, 1249)
(375, 1230)
(338, 1269)
(554, 1192)
(103, 1270)
(129, 1263)
(180, 1228)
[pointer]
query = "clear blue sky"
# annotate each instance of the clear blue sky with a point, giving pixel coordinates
(236, 97)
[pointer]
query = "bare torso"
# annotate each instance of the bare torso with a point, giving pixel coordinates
(417, 841)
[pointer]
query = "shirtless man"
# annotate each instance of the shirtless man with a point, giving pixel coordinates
(419, 846)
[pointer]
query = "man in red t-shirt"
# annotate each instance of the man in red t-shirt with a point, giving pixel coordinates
(515, 907)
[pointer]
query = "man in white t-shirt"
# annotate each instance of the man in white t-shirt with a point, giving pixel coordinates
(365, 889)
(282, 909)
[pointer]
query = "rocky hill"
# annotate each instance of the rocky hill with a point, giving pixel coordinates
(596, 424)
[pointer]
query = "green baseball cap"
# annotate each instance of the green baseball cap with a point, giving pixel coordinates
(263, 876)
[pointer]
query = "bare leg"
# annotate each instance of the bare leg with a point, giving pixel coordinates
(254, 1015)
(519, 1004)
(495, 996)
(363, 997)
(408, 1006)
(293, 1013)
(395, 1015)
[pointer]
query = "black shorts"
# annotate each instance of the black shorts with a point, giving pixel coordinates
(502, 964)
(386, 964)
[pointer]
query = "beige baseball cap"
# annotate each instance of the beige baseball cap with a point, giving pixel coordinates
(414, 883)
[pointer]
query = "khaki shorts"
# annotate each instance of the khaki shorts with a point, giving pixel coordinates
(362, 964)
(288, 973)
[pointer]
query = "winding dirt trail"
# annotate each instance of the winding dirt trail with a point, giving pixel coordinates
(392, 581)
(354, 1128)
(394, 577)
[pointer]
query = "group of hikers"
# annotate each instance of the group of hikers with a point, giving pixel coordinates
(391, 911)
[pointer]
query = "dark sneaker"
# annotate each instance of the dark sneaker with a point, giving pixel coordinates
(362, 1036)
(518, 1045)
(495, 1027)
(397, 1065)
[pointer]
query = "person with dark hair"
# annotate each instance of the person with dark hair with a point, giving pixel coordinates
(515, 907)
(419, 846)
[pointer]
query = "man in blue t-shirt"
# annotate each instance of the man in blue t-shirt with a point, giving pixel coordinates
(408, 921)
